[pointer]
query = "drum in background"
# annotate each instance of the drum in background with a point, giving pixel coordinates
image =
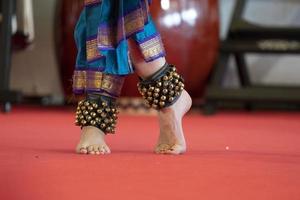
(190, 33)
(189, 29)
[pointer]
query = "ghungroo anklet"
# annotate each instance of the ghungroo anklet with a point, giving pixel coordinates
(163, 88)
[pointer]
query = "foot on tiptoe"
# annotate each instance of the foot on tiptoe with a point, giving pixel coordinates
(171, 139)
(92, 142)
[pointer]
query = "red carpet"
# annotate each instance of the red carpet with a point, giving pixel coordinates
(37, 160)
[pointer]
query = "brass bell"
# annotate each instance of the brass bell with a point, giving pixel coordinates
(165, 91)
(113, 110)
(155, 95)
(88, 118)
(154, 106)
(81, 102)
(104, 104)
(165, 78)
(171, 86)
(95, 105)
(103, 115)
(151, 89)
(159, 84)
(98, 120)
(102, 125)
(171, 99)
(155, 101)
(149, 93)
(85, 112)
(150, 98)
(93, 123)
(83, 122)
(115, 116)
(83, 108)
(108, 129)
(86, 103)
(162, 104)
(156, 90)
(81, 117)
(144, 90)
(93, 114)
(90, 108)
(107, 109)
(99, 111)
(166, 84)
(163, 98)
(106, 121)
(177, 88)
(177, 93)
(172, 93)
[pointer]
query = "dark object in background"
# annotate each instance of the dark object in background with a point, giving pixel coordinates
(6, 95)
(190, 32)
(67, 13)
(243, 38)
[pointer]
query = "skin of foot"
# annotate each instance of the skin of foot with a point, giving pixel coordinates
(171, 138)
(92, 142)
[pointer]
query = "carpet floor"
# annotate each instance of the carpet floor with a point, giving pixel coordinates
(231, 156)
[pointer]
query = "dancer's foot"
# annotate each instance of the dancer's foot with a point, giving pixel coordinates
(171, 139)
(92, 142)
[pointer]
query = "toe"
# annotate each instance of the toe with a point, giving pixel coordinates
(106, 149)
(91, 150)
(162, 149)
(97, 149)
(176, 150)
(83, 150)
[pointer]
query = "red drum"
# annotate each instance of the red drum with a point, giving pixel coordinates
(189, 29)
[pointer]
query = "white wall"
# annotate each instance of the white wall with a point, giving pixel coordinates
(35, 71)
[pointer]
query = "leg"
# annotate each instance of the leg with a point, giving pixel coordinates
(171, 138)
(97, 113)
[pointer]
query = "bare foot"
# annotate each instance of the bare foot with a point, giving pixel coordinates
(171, 139)
(92, 142)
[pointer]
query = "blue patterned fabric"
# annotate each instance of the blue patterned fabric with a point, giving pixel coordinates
(103, 29)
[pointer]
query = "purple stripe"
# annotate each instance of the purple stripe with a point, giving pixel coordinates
(95, 59)
(92, 37)
(155, 57)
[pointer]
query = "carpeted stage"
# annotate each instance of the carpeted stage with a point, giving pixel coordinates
(232, 155)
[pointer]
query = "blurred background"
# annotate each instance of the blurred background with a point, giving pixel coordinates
(262, 33)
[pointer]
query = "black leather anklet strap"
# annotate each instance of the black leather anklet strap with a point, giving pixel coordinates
(99, 111)
(163, 88)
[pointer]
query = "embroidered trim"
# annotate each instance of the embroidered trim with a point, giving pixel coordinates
(133, 22)
(95, 81)
(152, 48)
(92, 52)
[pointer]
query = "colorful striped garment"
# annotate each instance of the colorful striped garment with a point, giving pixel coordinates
(101, 36)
